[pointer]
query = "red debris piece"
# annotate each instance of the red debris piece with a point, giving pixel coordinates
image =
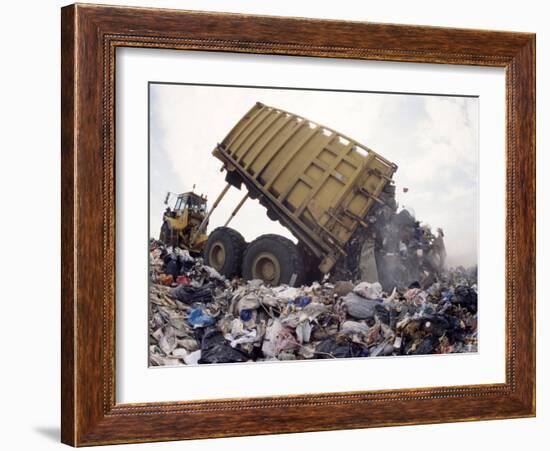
(183, 280)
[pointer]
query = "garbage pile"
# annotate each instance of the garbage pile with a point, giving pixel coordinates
(395, 249)
(198, 317)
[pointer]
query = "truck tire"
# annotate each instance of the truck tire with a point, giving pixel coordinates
(274, 259)
(224, 251)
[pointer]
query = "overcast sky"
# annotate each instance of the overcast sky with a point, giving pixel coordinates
(432, 139)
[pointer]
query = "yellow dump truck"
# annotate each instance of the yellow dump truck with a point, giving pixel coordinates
(316, 182)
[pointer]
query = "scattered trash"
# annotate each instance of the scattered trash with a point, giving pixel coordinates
(196, 316)
(465, 297)
(166, 279)
(246, 315)
(359, 307)
(214, 349)
(189, 294)
(303, 301)
(182, 280)
(340, 348)
(368, 290)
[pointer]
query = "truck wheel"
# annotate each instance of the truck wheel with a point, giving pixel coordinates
(275, 260)
(224, 251)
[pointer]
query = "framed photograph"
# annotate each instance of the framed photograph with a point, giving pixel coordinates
(279, 225)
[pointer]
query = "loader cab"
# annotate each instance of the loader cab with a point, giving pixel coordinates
(192, 202)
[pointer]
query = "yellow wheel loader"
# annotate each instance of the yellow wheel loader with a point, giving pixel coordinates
(181, 225)
(185, 225)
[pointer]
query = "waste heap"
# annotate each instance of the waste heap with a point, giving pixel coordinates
(198, 316)
(395, 249)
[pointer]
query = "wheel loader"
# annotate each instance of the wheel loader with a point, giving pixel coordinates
(180, 224)
(318, 183)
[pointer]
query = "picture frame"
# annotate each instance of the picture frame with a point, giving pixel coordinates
(90, 412)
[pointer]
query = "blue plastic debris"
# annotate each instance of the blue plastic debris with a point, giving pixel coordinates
(246, 314)
(303, 301)
(197, 318)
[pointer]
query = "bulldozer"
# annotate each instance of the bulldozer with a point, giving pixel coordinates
(316, 182)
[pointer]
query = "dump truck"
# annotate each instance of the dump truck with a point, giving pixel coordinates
(318, 183)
